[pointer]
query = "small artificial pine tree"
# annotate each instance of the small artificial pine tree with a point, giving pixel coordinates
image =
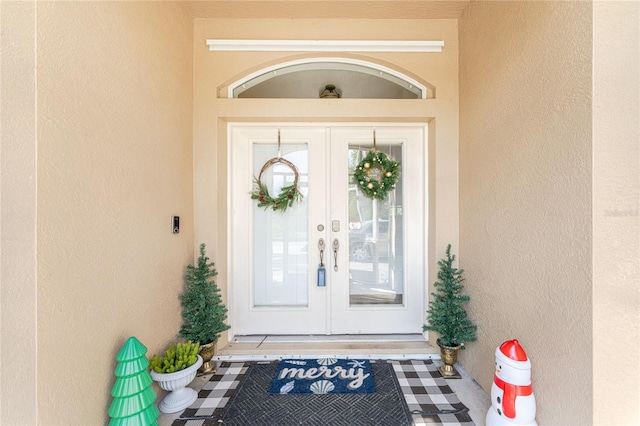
(446, 316)
(203, 311)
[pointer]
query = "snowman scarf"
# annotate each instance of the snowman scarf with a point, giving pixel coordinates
(510, 392)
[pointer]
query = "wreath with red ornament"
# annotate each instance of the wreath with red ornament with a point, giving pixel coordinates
(288, 195)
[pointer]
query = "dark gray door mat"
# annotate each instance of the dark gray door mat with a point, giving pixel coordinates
(426, 393)
(251, 404)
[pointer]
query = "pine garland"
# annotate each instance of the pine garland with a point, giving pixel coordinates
(203, 311)
(446, 315)
(288, 195)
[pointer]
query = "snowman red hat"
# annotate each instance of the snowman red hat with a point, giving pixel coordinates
(512, 354)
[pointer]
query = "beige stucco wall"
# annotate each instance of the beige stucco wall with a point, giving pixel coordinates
(87, 257)
(213, 71)
(525, 194)
(616, 217)
(18, 358)
(113, 164)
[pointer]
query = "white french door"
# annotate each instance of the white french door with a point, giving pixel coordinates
(373, 249)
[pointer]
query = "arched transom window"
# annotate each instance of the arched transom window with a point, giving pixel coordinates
(314, 78)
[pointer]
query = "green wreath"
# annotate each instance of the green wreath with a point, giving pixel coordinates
(288, 194)
(377, 174)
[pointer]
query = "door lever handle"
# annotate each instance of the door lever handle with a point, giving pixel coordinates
(336, 246)
(321, 249)
(322, 276)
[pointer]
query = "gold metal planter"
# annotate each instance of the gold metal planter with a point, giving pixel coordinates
(449, 358)
(206, 352)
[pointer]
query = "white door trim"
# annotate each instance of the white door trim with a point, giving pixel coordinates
(232, 291)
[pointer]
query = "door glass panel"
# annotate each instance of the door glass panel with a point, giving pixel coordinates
(375, 239)
(280, 261)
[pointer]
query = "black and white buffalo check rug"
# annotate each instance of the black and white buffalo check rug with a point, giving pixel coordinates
(428, 398)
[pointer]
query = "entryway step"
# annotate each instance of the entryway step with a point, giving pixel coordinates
(252, 348)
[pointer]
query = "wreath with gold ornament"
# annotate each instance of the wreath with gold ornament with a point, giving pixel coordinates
(377, 174)
(288, 194)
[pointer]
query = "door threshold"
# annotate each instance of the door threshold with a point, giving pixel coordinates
(299, 338)
(271, 347)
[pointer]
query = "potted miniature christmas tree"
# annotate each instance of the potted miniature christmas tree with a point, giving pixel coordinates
(447, 317)
(203, 312)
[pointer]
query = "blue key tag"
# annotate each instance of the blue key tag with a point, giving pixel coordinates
(321, 275)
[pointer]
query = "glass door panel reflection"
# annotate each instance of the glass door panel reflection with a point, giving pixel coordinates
(375, 239)
(280, 240)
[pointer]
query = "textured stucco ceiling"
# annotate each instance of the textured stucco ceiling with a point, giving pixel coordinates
(320, 9)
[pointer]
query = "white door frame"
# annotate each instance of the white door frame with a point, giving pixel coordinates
(232, 291)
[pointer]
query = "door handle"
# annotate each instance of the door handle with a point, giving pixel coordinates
(336, 247)
(322, 279)
(321, 249)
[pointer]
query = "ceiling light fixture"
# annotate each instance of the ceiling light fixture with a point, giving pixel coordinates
(330, 91)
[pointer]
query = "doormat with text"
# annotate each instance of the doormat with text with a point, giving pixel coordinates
(252, 405)
(323, 376)
(237, 392)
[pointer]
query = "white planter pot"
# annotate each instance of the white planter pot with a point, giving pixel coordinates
(180, 396)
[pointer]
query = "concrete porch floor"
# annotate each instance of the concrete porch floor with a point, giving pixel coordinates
(262, 348)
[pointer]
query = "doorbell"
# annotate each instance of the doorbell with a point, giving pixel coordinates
(175, 225)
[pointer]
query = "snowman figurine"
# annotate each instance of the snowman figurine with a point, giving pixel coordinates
(512, 399)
